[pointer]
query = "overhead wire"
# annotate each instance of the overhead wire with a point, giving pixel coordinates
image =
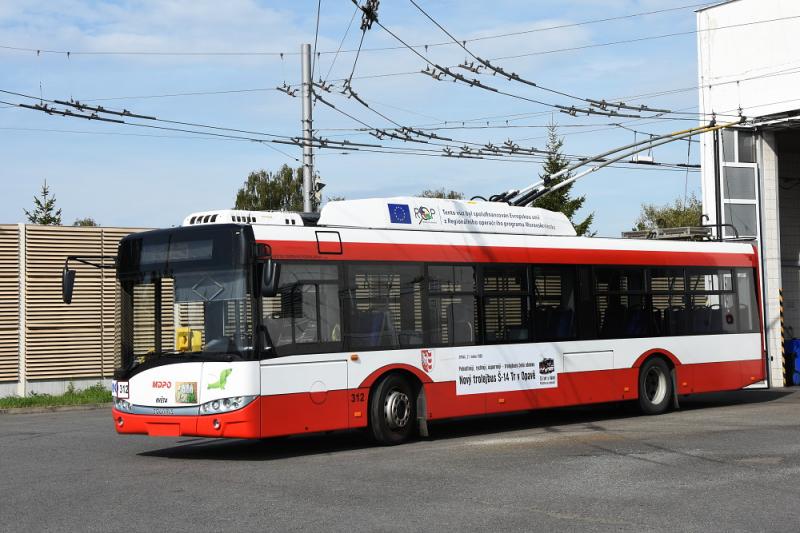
(43, 50)
(646, 38)
(439, 72)
(316, 36)
(341, 43)
(341, 146)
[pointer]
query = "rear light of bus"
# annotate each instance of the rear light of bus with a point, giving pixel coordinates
(224, 405)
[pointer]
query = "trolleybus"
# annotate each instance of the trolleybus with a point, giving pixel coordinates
(386, 314)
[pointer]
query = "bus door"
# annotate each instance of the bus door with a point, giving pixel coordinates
(304, 384)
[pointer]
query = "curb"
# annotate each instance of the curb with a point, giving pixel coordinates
(54, 408)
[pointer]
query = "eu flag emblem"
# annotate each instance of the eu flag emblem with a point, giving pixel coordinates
(399, 214)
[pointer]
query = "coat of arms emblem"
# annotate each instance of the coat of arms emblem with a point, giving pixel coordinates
(427, 360)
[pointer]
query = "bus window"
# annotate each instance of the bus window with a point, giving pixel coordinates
(622, 303)
(384, 306)
(554, 298)
(667, 288)
(306, 309)
(505, 304)
(451, 305)
(712, 302)
(748, 308)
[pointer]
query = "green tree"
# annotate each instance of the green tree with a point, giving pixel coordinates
(442, 193)
(561, 200)
(44, 209)
(273, 191)
(87, 221)
(677, 214)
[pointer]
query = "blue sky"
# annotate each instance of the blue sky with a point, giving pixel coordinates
(131, 176)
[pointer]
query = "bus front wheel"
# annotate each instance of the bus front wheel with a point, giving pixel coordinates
(655, 387)
(392, 410)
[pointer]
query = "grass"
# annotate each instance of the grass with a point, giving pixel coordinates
(95, 394)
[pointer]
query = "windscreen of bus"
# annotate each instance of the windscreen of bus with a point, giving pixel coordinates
(185, 293)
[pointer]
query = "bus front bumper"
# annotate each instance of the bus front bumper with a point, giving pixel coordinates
(244, 423)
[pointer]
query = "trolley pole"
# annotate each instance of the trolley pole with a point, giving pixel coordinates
(308, 156)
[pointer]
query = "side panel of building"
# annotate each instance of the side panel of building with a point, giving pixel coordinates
(9, 302)
(44, 343)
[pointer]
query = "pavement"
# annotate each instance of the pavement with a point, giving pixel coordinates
(723, 462)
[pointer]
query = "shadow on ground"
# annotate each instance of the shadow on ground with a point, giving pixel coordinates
(552, 420)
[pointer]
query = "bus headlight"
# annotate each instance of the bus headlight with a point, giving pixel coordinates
(123, 405)
(224, 405)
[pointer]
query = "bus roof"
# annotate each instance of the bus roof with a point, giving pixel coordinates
(408, 213)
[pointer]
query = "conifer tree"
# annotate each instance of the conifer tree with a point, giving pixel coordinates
(44, 209)
(561, 200)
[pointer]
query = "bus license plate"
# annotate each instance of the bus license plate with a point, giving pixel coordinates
(120, 389)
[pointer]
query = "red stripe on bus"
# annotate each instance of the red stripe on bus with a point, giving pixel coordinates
(358, 251)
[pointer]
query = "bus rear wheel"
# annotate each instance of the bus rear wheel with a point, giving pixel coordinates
(393, 410)
(655, 387)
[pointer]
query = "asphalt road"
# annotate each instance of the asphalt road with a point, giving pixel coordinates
(724, 462)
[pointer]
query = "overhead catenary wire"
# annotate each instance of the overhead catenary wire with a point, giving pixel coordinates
(639, 147)
(316, 37)
(323, 144)
(479, 148)
(283, 140)
(341, 43)
(438, 72)
(43, 50)
(512, 76)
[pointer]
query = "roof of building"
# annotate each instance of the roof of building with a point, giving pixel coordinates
(718, 4)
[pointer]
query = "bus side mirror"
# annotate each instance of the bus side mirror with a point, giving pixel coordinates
(262, 251)
(67, 284)
(269, 278)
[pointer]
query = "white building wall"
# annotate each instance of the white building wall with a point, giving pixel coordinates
(747, 59)
(748, 64)
(771, 254)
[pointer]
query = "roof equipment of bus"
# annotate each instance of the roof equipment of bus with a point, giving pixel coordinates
(235, 216)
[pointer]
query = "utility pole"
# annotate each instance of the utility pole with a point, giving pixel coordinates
(308, 156)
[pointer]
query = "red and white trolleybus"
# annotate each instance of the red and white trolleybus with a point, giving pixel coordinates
(389, 313)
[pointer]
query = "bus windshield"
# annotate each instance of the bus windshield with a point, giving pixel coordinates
(186, 293)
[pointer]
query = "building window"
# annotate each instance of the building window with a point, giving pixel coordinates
(738, 182)
(743, 218)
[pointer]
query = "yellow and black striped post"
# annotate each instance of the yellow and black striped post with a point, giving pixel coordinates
(783, 337)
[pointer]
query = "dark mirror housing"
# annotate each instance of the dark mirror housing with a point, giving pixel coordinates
(68, 274)
(67, 284)
(269, 278)
(262, 251)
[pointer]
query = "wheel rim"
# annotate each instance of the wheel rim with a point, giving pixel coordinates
(655, 385)
(397, 409)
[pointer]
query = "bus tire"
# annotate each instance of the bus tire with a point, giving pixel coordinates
(655, 387)
(392, 410)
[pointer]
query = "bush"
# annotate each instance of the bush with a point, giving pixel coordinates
(97, 393)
